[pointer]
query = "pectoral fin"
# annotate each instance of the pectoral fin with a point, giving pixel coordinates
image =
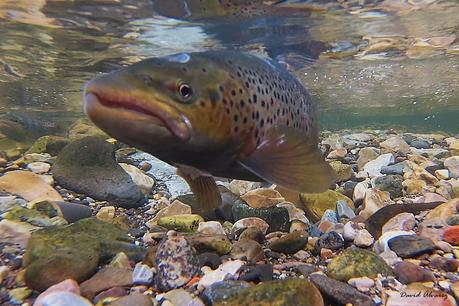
(205, 190)
(292, 160)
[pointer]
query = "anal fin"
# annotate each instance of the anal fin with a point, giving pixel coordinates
(204, 188)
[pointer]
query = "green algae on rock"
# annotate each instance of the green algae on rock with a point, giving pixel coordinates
(315, 204)
(277, 293)
(57, 253)
(48, 144)
(277, 217)
(356, 262)
(290, 243)
(88, 166)
(210, 243)
(185, 223)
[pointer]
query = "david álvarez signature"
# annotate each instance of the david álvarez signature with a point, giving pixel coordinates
(424, 294)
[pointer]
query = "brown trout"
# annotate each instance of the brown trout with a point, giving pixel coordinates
(217, 9)
(219, 113)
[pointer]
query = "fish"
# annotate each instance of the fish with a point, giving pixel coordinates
(203, 10)
(215, 113)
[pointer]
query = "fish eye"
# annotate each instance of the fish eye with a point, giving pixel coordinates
(185, 91)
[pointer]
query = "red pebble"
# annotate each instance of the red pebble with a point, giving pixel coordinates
(451, 235)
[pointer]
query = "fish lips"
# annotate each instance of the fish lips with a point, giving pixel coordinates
(120, 113)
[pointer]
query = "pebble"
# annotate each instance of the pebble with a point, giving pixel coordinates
(373, 168)
(442, 174)
(290, 243)
(18, 295)
(258, 273)
(248, 250)
(139, 178)
(407, 272)
(350, 231)
(253, 233)
(106, 213)
(209, 259)
(445, 264)
(211, 228)
(343, 210)
(451, 235)
(15, 232)
(339, 292)
(411, 245)
(331, 240)
(452, 164)
(391, 184)
(175, 208)
(365, 155)
(262, 198)
(361, 283)
(68, 285)
(142, 274)
(65, 298)
(176, 262)
(398, 169)
(363, 238)
(225, 271)
(373, 201)
(359, 191)
(39, 167)
(395, 144)
(136, 299)
(242, 224)
(185, 223)
(356, 262)
(401, 222)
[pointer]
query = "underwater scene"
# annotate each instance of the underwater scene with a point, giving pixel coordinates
(229, 152)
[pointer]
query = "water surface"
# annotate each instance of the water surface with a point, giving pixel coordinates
(383, 64)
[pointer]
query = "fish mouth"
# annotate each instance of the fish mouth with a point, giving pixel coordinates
(103, 105)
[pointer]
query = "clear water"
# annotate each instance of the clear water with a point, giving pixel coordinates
(369, 64)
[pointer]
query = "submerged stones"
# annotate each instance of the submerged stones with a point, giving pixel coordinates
(277, 217)
(356, 262)
(315, 204)
(176, 262)
(88, 166)
(411, 245)
(277, 293)
(57, 253)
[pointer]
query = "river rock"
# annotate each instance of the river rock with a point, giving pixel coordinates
(331, 240)
(88, 166)
(68, 285)
(407, 272)
(363, 238)
(83, 128)
(391, 184)
(452, 164)
(58, 253)
(176, 262)
(65, 298)
(290, 243)
(445, 264)
(411, 245)
(350, 231)
(29, 186)
(210, 243)
(175, 208)
(356, 262)
(315, 204)
(226, 270)
(248, 250)
(339, 291)
(48, 144)
(15, 232)
(185, 223)
(139, 178)
(211, 228)
(245, 223)
(277, 217)
(221, 291)
(373, 168)
(365, 155)
(373, 201)
(71, 212)
(39, 167)
(106, 278)
(343, 172)
(262, 198)
(401, 222)
(253, 233)
(451, 235)
(395, 144)
(209, 259)
(291, 291)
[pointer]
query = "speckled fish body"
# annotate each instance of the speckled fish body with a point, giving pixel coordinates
(225, 113)
(213, 9)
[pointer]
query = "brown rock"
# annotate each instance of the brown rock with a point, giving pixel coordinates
(401, 222)
(407, 272)
(374, 200)
(262, 198)
(29, 186)
(112, 292)
(106, 278)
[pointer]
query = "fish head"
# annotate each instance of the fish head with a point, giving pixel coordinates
(162, 105)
